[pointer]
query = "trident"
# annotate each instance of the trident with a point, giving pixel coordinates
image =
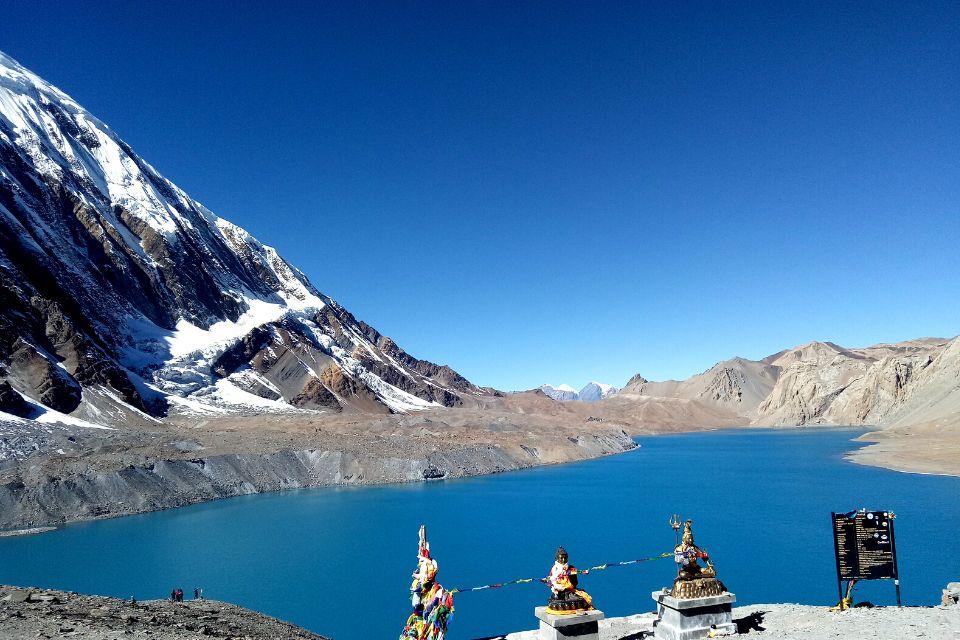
(675, 521)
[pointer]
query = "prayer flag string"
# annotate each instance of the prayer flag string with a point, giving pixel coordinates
(599, 567)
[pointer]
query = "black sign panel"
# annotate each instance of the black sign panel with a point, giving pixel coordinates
(865, 546)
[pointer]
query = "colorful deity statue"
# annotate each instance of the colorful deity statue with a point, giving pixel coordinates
(566, 598)
(693, 580)
(432, 605)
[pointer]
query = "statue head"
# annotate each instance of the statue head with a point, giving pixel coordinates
(688, 532)
(562, 556)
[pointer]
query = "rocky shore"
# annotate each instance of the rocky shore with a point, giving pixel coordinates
(47, 613)
(53, 474)
(928, 447)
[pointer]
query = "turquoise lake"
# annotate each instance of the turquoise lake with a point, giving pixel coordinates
(338, 560)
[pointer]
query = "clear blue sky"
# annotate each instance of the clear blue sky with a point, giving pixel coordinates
(549, 192)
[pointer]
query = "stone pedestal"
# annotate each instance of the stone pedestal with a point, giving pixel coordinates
(693, 618)
(582, 626)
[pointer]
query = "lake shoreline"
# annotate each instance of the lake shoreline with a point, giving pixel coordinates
(916, 449)
(234, 475)
(875, 451)
(911, 449)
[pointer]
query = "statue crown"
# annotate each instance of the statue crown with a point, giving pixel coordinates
(688, 531)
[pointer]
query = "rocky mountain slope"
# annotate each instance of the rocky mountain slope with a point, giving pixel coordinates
(738, 385)
(123, 299)
(824, 383)
(821, 382)
(153, 354)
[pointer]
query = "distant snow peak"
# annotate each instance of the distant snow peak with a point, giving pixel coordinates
(591, 392)
(560, 393)
(594, 391)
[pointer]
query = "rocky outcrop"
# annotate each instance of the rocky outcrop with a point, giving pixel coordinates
(43, 378)
(811, 377)
(635, 383)
(824, 383)
(737, 385)
(951, 595)
(12, 402)
(930, 387)
(317, 392)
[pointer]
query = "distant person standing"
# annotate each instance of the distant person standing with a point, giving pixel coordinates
(173, 595)
(198, 593)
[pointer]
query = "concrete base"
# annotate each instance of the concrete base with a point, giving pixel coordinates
(693, 618)
(582, 626)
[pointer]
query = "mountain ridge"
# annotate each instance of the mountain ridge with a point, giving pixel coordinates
(121, 294)
(821, 382)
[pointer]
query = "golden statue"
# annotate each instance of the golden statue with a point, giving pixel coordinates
(694, 581)
(566, 598)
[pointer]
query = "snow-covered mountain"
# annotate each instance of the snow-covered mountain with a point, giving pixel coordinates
(120, 295)
(561, 392)
(594, 391)
(591, 392)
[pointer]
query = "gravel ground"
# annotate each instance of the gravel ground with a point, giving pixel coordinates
(804, 622)
(26, 614)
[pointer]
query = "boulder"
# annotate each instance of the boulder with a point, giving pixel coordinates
(13, 402)
(18, 595)
(951, 595)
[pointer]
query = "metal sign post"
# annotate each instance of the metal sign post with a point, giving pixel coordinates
(893, 552)
(865, 548)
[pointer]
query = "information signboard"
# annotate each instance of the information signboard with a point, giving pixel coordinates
(865, 547)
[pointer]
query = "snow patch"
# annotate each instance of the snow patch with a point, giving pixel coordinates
(231, 394)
